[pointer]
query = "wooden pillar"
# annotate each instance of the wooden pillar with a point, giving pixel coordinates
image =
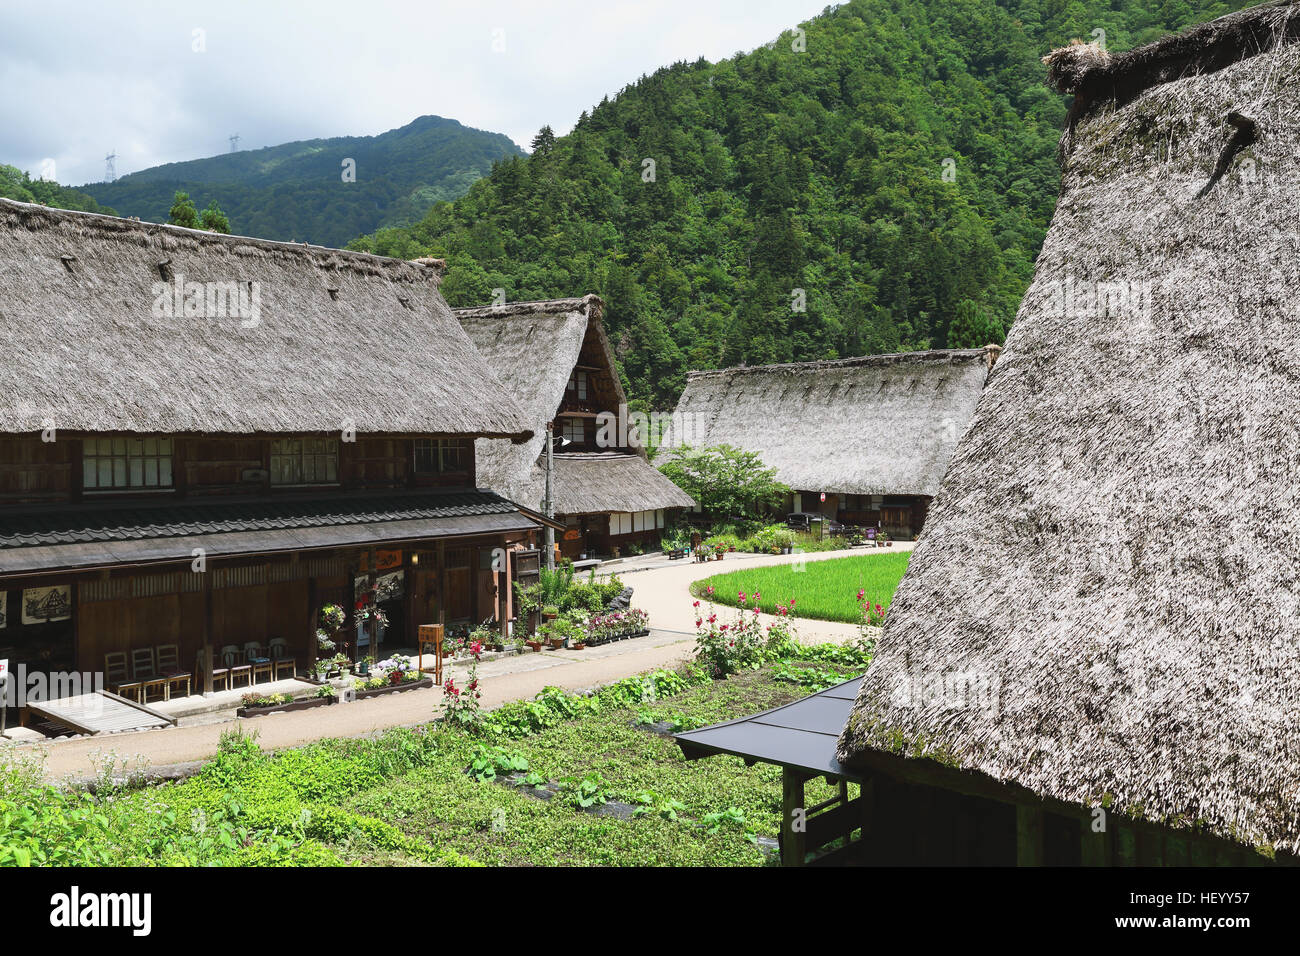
(372, 576)
(205, 677)
(1094, 848)
(313, 647)
(442, 582)
(793, 818)
(1029, 835)
(504, 590)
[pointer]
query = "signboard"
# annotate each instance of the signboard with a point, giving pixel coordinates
(573, 534)
(823, 497)
(43, 605)
(384, 561)
(4, 608)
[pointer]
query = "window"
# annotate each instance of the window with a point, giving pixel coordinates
(435, 456)
(574, 429)
(109, 463)
(304, 461)
(578, 384)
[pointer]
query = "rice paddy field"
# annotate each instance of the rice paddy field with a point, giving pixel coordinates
(824, 590)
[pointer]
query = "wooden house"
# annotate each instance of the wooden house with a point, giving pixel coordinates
(206, 438)
(556, 362)
(861, 440)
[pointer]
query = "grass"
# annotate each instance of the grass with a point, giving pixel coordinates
(406, 798)
(825, 590)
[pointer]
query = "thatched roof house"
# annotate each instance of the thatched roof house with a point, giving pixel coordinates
(1094, 655)
(205, 439)
(880, 425)
(263, 337)
(1113, 550)
(555, 359)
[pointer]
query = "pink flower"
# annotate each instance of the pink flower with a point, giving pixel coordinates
(696, 604)
(861, 594)
(709, 590)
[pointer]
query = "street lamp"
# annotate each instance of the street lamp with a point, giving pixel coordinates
(548, 505)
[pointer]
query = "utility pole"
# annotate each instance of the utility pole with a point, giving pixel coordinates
(234, 143)
(548, 506)
(110, 170)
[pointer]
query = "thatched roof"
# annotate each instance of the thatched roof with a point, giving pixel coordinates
(881, 424)
(596, 482)
(1113, 550)
(1099, 80)
(534, 347)
(339, 337)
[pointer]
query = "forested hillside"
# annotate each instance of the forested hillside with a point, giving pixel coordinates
(296, 191)
(816, 163)
(16, 184)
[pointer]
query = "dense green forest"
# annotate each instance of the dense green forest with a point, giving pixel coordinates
(297, 191)
(16, 184)
(816, 163)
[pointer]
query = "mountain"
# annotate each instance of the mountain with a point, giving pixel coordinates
(16, 184)
(296, 191)
(848, 189)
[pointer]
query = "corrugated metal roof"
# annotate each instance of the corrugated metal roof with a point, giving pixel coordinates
(800, 735)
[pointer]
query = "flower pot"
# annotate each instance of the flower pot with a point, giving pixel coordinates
(580, 647)
(535, 645)
(557, 642)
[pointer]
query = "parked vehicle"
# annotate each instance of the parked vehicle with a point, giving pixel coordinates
(808, 520)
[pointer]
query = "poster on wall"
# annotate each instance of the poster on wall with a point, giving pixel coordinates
(390, 587)
(4, 608)
(43, 605)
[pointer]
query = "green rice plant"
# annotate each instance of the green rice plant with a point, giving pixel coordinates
(825, 590)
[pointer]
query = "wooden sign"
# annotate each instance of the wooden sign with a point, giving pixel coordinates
(573, 534)
(384, 561)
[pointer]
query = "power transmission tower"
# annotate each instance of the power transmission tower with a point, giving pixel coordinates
(110, 170)
(234, 143)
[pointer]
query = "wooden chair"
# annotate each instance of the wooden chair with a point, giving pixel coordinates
(170, 670)
(281, 657)
(144, 669)
(258, 660)
(221, 674)
(116, 676)
(235, 665)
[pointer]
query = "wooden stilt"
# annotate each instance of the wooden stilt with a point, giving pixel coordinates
(793, 818)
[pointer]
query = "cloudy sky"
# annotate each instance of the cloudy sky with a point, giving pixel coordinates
(160, 81)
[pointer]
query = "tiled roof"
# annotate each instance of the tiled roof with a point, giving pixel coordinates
(122, 521)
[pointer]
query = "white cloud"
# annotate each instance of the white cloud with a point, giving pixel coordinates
(83, 79)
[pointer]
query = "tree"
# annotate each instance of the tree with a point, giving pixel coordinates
(724, 479)
(972, 328)
(544, 141)
(214, 220)
(183, 212)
